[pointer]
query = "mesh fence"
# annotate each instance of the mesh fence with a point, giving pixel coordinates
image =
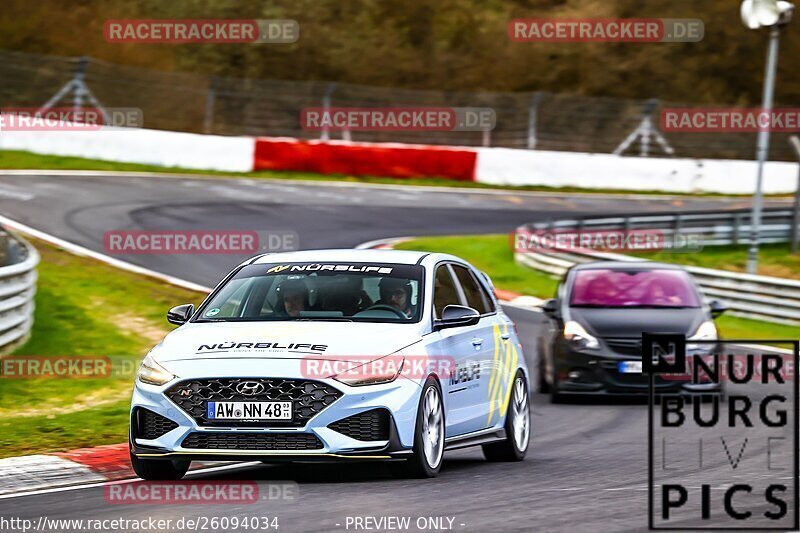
(230, 106)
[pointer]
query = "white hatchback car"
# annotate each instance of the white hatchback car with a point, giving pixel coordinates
(334, 355)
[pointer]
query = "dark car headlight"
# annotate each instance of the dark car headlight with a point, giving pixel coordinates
(706, 332)
(578, 337)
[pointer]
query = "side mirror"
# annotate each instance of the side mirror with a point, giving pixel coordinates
(717, 308)
(180, 314)
(550, 307)
(455, 316)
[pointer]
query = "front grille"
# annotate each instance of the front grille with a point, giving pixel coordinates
(369, 425)
(624, 346)
(308, 398)
(252, 441)
(150, 425)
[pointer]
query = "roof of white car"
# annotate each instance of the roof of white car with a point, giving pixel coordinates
(402, 257)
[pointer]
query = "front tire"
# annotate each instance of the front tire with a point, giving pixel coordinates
(517, 426)
(159, 470)
(429, 433)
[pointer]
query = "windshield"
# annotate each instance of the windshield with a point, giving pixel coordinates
(633, 288)
(357, 292)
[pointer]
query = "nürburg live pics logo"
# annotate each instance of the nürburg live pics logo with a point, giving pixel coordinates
(723, 433)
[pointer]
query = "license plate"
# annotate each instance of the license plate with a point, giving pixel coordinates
(249, 411)
(630, 367)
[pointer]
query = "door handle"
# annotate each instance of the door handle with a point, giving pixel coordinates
(477, 342)
(505, 336)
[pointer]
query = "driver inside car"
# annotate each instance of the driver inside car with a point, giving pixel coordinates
(396, 293)
(293, 297)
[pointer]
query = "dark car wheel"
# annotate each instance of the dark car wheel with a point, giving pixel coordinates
(159, 469)
(517, 426)
(541, 373)
(555, 395)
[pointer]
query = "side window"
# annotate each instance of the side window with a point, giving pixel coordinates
(487, 297)
(475, 297)
(444, 290)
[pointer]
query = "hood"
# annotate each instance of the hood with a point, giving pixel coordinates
(285, 340)
(621, 323)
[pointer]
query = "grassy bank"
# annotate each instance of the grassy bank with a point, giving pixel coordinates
(773, 259)
(493, 255)
(83, 308)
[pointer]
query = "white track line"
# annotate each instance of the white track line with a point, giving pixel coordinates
(86, 252)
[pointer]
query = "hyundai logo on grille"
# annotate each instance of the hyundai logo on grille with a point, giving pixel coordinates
(249, 388)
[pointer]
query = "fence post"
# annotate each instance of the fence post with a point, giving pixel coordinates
(211, 96)
(326, 107)
(737, 224)
(533, 115)
(795, 142)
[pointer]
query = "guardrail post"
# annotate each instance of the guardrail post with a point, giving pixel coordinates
(676, 227)
(795, 142)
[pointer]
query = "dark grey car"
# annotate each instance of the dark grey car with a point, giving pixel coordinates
(600, 313)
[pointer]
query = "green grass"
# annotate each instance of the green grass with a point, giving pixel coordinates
(13, 159)
(773, 259)
(83, 308)
(493, 255)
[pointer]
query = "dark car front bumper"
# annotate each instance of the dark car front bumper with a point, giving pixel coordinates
(597, 372)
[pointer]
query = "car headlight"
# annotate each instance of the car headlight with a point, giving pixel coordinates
(706, 332)
(152, 373)
(578, 337)
(383, 370)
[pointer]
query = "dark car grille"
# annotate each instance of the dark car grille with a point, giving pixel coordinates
(150, 425)
(369, 425)
(308, 398)
(252, 441)
(625, 346)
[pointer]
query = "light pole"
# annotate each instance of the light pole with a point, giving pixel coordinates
(770, 14)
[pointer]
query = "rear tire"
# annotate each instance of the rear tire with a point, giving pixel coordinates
(428, 435)
(517, 426)
(159, 469)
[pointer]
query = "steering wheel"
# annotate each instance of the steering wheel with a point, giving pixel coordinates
(385, 307)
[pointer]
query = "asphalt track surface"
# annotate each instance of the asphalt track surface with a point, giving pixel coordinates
(586, 469)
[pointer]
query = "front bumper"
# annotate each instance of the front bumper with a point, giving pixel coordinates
(596, 372)
(317, 441)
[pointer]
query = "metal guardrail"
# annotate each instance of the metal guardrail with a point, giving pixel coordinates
(761, 297)
(714, 228)
(17, 289)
